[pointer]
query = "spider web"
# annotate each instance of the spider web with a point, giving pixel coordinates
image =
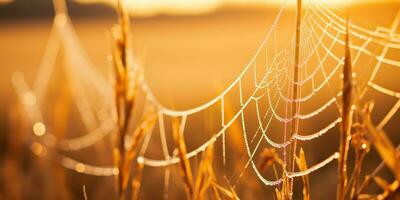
(269, 96)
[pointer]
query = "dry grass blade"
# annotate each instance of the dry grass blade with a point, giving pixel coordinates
(144, 128)
(392, 192)
(123, 104)
(381, 183)
(215, 192)
(126, 86)
(205, 177)
(124, 160)
(230, 193)
(205, 174)
(347, 104)
(202, 181)
(84, 193)
(146, 124)
(302, 164)
(388, 189)
(184, 162)
(295, 107)
(137, 179)
(283, 193)
(237, 147)
(278, 194)
(361, 145)
(365, 197)
(382, 144)
(123, 39)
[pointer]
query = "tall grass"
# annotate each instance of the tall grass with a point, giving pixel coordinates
(295, 105)
(204, 184)
(205, 180)
(358, 129)
(126, 86)
(357, 132)
(347, 114)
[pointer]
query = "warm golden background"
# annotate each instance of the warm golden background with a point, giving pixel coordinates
(191, 51)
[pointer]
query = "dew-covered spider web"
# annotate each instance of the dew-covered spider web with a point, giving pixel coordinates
(262, 91)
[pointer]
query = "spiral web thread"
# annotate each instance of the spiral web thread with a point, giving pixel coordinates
(322, 31)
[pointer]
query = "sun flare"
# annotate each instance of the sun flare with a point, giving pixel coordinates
(152, 7)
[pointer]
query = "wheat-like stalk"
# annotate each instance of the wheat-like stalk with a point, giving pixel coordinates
(205, 175)
(137, 179)
(302, 165)
(295, 105)
(186, 170)
(382, 144)
(205, 178)
(230, 193)
(283, 194)
(126, 86)
(388, 153)
(124, 100)
(361, 145)
(347, 113)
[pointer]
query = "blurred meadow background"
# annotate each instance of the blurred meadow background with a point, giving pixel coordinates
(190, 52)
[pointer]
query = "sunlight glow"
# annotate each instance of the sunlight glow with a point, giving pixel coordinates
(152, 7)
(5, 1)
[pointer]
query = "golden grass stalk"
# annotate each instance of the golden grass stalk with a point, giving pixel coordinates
(381, 183)
(365, 197)
(370, 177)
(302, 164)
(282, 194)
(202, 181)
(361, 145)
(186, 170)
(230, 193)
(286, 189)
(126, 86)
(205, 174)
(279, 194)
(347, 103)
(124, 100)
(137, 179)
(205, 177)
(207, 163)
(237, 147)
(390, 157)
(295, 104)
(214, 189)
(145, 125)
(383, 144)
(84, 193)
(389, 190)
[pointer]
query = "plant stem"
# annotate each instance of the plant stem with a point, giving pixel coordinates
(295, 104)
(347, 103)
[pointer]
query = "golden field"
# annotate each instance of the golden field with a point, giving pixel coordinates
(187, 61)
